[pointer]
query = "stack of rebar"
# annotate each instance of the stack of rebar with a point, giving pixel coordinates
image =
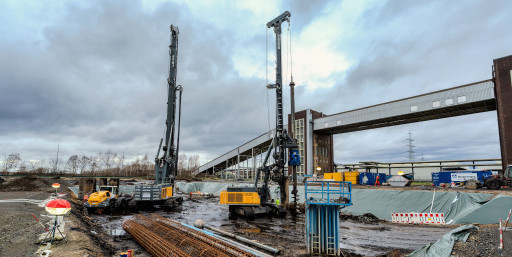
(164, 237)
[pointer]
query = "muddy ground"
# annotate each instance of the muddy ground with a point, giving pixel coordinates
(360, 236)
(102, 235)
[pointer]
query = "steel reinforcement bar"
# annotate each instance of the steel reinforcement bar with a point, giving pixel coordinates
(164, 237)
(225, 247)
(154, 244)
(188, 244)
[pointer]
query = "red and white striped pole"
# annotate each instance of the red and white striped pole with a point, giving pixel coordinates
(506, 221)
(40, 223)
(501, 237)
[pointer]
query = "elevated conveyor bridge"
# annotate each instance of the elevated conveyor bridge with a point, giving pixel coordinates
(462, 100)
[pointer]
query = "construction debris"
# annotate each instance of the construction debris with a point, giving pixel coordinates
(199, 195)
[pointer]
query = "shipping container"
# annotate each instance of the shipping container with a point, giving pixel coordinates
(351, 176)
(367, 178)
(337, 176)
(447, 177)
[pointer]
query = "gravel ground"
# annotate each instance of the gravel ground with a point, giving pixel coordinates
(20, 230)
(485, 242)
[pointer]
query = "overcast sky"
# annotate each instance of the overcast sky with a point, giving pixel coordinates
(90, 76)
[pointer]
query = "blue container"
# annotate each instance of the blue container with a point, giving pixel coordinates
(367, 178)
(447, 177)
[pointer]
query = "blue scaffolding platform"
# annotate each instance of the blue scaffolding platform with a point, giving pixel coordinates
(324, 200)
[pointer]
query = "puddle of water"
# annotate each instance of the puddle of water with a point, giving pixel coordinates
(116, 232)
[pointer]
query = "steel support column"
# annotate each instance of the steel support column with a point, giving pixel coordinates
(502, 77)
(238, 164)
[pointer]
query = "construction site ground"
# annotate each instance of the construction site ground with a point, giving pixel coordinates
(102, 235)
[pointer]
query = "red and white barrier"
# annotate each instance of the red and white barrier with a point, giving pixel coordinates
(418, 218)
(501, 229)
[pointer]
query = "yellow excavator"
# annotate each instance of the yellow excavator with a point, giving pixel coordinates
(107, 200)
(102, 201)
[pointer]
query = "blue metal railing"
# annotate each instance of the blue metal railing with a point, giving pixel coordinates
(328, 192)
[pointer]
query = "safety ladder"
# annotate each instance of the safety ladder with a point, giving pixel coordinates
(315, 244)
(331, 246)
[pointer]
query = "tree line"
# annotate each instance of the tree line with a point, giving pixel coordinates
(101, 164)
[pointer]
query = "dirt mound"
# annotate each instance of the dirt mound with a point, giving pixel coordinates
(366, 218)
(32, 184)
(26, 184)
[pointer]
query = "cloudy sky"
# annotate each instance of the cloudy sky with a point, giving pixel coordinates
(90, 76)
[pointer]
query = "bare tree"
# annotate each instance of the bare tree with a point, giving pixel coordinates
(120, 163)
(22, 166)
(98, 159)
(33, 165)
(94, 166)
(72, 163)
(12, 161)
(193, 163)
(84, 163)
(53, 164)
(145, 163)
(41, 166)
(108, 159)
(182, 161)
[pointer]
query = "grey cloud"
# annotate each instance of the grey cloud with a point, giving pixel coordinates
(304, 11)
(98, 79)
(101, 77)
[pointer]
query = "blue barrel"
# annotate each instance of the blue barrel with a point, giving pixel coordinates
(370, 178)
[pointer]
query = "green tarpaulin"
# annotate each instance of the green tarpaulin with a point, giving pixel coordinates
(458, 207)
(444, 246)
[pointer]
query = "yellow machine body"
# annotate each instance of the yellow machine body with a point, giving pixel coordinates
(239, 198)
(98, 197)
(166, 192)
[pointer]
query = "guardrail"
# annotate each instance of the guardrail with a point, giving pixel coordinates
(328, 192)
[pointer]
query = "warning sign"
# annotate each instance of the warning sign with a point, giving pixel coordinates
(464, 176)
